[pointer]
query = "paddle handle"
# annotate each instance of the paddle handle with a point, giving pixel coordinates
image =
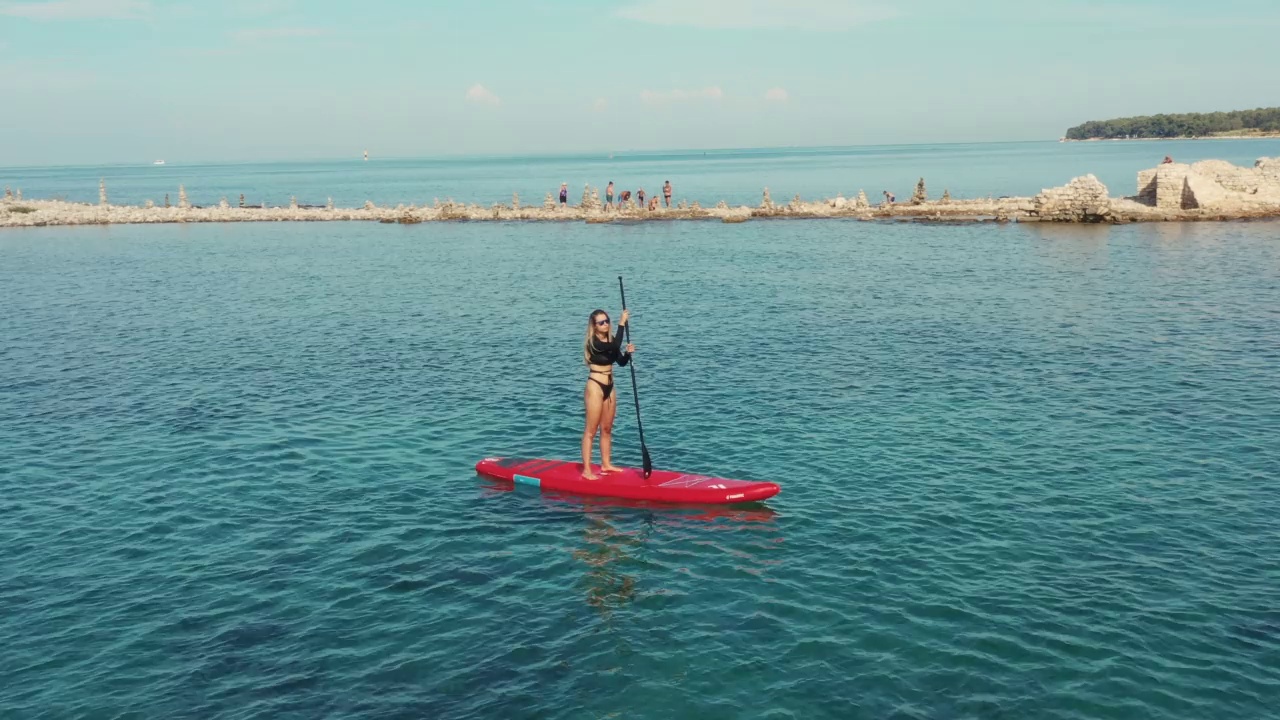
(623, 291)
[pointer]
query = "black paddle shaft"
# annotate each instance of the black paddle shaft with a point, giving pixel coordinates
(644, 451)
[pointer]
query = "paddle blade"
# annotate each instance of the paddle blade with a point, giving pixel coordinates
(646, 462)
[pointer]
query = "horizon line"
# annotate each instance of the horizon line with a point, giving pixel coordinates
(594, 154)
(357, 157)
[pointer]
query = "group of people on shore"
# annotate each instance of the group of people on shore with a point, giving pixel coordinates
(623, 197)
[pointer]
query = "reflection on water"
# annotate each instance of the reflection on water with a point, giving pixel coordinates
(607, 553)
(661, 513)
(1072, 242)
(490, 488)
(629, 548)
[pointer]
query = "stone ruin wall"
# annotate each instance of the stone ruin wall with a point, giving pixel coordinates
(1147, 186)
(1083, 199)
(1261, 179)
(1210, 184)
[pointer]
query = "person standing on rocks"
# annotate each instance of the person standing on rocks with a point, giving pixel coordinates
(666, 193)
(564, 194)
(640, 196)
(608, 195)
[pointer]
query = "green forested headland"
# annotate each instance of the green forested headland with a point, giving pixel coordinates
(1236, 122)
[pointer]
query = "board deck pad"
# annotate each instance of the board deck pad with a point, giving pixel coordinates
(660, 486)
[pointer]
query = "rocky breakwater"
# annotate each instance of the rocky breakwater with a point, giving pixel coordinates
(41, 213)
(1208, 190)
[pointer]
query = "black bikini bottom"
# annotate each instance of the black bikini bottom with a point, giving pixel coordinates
(608, 389)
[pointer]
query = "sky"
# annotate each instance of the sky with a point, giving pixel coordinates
(106, 81)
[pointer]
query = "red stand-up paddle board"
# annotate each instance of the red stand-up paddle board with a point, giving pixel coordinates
(661, 486)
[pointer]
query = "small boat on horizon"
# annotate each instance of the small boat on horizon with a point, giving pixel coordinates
(158, 162)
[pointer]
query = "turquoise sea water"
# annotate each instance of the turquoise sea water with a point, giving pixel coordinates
(736, 176)
(1028, 472)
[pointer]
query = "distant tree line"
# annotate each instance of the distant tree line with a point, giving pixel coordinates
(1182, 125)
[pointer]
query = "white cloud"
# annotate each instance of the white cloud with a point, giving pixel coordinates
(482, 95)
(259, 34)
(744, 14)
(600, 105)
(777, 95)
(78, 10)
(653, 97)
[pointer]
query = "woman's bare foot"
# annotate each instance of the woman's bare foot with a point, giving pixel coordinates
(590, 476)
(610, 469)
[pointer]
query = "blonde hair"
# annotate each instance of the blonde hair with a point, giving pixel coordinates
(589, 343)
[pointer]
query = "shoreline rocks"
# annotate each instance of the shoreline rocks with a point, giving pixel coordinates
(1207, 190)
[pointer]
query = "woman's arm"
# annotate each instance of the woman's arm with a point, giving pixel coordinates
(616, 345)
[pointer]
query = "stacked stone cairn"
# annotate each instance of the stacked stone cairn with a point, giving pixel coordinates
(920, 196)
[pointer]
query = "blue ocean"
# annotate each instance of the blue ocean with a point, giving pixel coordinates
(1027, 471)
(736, 176)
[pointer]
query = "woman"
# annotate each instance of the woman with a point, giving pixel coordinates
(600, 353)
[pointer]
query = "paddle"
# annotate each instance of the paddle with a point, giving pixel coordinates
(644, 451)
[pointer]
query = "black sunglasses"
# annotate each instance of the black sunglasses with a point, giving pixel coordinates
(605, 321)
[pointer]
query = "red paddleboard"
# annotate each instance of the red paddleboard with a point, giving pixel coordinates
(660, 486)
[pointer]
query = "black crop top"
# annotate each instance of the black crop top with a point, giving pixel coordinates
(610, 353)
